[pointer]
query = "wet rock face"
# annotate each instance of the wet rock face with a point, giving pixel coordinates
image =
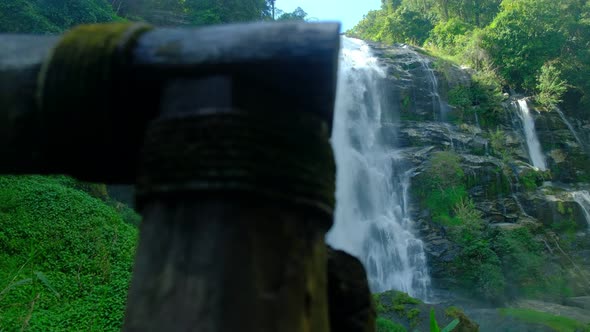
(506, 190)
(555, 209)
(439, 249)
(565, 147)
(414, 83)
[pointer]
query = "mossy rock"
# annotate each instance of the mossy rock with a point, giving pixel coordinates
(414, 315)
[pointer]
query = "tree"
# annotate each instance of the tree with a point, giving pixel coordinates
(525, 35)
(297, 15)
(390, 5)
(226, 11)
(551, 86)
(403, 25)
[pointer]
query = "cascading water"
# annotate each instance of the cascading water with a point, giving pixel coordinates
(583, 199)
(569, 126)
(372, 210)
(440, 109)
(532, 141)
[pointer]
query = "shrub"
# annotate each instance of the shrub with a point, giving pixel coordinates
(402, 26)
(441, 186)
(450, 35)
(550, 86)
(521, 257)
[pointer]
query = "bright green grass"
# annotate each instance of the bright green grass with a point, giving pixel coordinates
(558, 323)
(65, 257)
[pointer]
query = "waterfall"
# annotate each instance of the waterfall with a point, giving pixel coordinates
(583, 199)
(438, 106)
(532, 141)
(372, 218)
(570, 127)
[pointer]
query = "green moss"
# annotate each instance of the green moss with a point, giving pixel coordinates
(530, 178)
(558, 323)
(385, 325)
(379, 307)
(406, 103)
(404, 298)
(399, 309)
(413, 316)
(452, 311)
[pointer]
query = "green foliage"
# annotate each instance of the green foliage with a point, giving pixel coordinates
(24, 16)
(469, 225)
(402, 26)
(204, 12)
(550, 86)
(379, 307)
(413, 316)
(460, 97)
(434, 325)
(52, 16)
(445, 170)
(65, 257)
(498, 144)
(385, 325)
(297, 15)
(525, 35)
(558, 323)
(486, 94)
(480, 271)
(532, 45)
(441, 186)
(530, 178)
(482, 96)
(450, 35)
(399, 302)
(404, 298)
(521, 259)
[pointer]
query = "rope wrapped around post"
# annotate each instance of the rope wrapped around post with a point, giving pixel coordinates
(88, 71)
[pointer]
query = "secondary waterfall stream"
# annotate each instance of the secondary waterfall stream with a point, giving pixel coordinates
(583, 199)
(372, 210)
(570, 127)
(532, 141)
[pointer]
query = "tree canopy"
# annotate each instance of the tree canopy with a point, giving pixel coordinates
(514, 39)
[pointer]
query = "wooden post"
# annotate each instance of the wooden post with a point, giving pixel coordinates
(235, 178)
(234, 225)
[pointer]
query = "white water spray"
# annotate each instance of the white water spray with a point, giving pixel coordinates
(583, 199)
(532, 141)
(438, 106)
(569, 126)
(372, 210)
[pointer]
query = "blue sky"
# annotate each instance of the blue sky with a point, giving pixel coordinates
(349, 12)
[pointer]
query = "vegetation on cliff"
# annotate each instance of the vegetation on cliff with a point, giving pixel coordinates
(399, 312)
(54, 16)
(538, 46)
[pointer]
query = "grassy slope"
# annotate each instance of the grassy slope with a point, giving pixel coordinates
(558, 323)
(65, 257)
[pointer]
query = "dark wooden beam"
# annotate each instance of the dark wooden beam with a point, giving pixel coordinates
(269, 63)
